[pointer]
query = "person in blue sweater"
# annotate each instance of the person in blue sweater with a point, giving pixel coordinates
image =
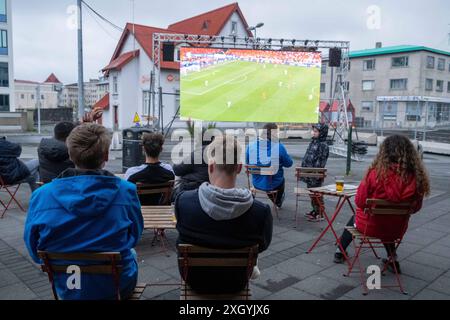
(87, 209)
(270, 153)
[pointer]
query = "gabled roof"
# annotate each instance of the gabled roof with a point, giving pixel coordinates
(394, 50)
(121, 61)
(103, 103)
(52, 79)
(209, 23)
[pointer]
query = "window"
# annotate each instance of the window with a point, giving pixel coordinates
(367, 106)
(399, 84)
(400, 62)
(115, 85)
(3, 13)
(413, 111)
(368, 85)
(390, 110)
(42, 97)
(233, 27)
(429, 84)
(448, 87)
(346, 86)
(4, 74)
(322, 87)
(4, 102)
(430, 62)
(324, 68)
(441, 64)
(146, 102)
(22, 96)
(369, 65)
(32, 97)
(3, 42)
(439, 85)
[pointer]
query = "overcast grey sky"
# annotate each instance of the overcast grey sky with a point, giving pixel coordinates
(43, 43)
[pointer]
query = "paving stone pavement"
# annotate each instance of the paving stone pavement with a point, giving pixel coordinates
(287, 272)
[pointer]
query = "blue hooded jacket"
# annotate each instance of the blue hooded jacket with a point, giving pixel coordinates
(87, 213)
(259, 153)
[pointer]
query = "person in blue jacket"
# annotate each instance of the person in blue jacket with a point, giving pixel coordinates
(87, 209)
(270, 153)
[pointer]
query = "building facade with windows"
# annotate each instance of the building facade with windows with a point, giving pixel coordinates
(397, 87)
(131, 64)
(28, 94)
(6, 58)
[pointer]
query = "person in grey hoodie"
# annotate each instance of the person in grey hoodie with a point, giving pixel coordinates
(220, 216)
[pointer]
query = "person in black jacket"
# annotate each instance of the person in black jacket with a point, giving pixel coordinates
(14, 171)
(316, 157)
(221, 216)
(53, 154)
(191, 175)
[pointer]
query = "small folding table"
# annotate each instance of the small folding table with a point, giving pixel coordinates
(343, 197)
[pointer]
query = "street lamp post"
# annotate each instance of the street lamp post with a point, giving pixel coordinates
(259, 25)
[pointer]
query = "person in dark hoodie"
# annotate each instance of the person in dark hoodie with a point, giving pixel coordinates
(14, 171)
(191, 175)
(316, 157)
(53, 153)
(87, 209)
(396, 175)
(220, 216)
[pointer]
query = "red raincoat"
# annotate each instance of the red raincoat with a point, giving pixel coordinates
(393, 189)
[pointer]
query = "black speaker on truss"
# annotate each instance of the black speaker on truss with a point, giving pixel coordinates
(168, 52)
(335, 57)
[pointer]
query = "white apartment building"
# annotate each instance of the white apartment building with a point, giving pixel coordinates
(6, 58)
(29, 93)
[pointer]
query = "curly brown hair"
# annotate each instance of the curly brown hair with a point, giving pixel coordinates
(399, 150)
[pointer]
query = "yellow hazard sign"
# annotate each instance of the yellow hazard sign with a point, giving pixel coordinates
(137, 119)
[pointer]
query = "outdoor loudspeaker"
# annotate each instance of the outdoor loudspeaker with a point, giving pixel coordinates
(168, 52)
(335, 57)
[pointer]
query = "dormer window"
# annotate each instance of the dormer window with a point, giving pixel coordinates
(205, 25)
(233, 27)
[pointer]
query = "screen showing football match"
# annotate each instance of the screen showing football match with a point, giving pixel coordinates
(240, 85)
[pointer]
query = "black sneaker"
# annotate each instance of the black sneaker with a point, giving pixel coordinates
(339, 258)
(390, 266)
(280, 204)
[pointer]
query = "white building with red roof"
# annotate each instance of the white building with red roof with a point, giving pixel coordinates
(26, 93)
(131, 65)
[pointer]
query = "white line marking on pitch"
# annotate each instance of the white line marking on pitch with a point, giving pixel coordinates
(219, 85)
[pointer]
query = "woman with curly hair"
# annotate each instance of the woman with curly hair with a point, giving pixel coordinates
(396, 175)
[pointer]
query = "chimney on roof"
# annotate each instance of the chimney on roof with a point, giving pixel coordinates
(378, 45)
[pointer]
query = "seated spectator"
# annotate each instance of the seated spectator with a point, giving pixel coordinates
(87, 209)
(221, 216)
(263, 153)
(53, 153)
(153, 171)
(191, 175)
(14, 171)
(396, 175)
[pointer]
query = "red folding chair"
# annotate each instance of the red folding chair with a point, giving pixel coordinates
(262, 171)
(362, 241)
(11, 191)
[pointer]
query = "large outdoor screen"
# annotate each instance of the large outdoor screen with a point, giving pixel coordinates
(236, 85)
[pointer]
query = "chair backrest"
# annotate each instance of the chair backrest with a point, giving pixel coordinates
(165, 189)
(104, 263)
(318, 173)
(195, 256)
(383, 207)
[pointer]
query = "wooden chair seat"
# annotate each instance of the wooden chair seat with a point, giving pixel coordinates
(358, 235)
(138, 291)
(188, 294)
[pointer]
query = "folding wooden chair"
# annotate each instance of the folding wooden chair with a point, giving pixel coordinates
(106, 263)
(163, 189)
(361, 241)
(317, 173)
(252, 170)
(190, 256)
(159, 219)
(11, 191)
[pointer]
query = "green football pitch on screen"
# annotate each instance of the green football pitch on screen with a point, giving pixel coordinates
(251, 91)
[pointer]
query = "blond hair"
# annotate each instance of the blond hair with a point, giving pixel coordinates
(88, 146)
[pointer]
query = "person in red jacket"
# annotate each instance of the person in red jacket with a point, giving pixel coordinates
(396, 175)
